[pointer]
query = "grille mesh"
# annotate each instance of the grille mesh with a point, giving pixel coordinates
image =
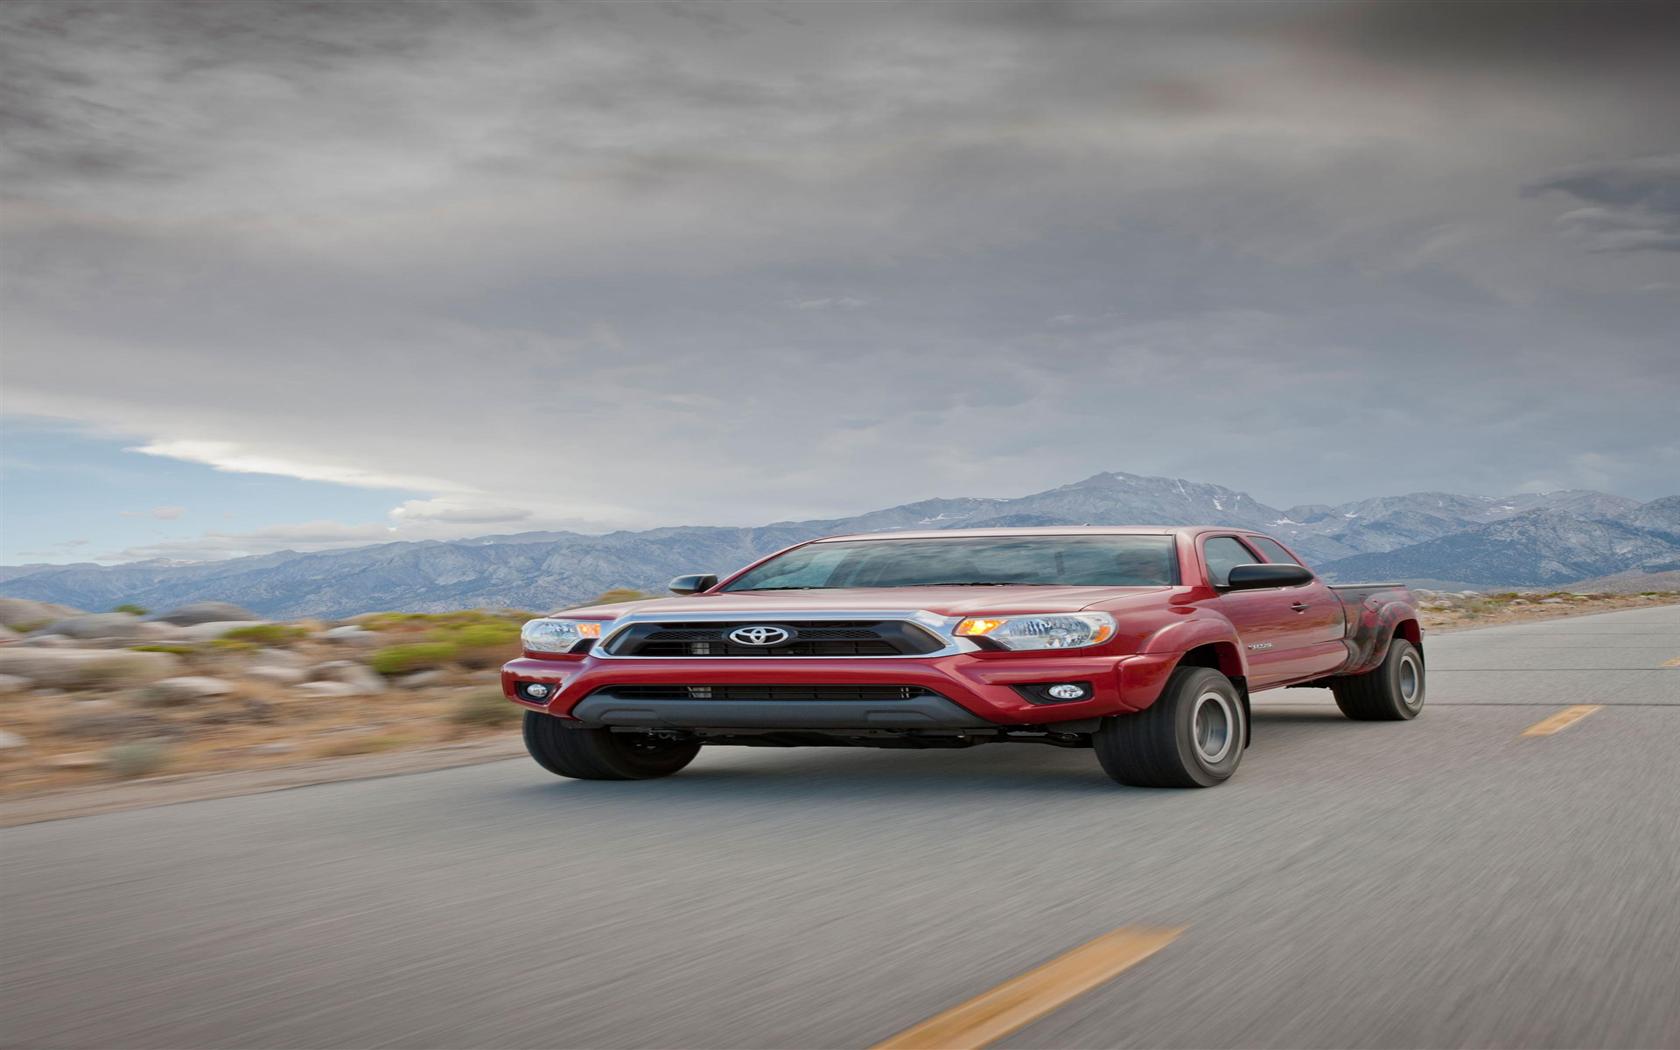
(810, 638)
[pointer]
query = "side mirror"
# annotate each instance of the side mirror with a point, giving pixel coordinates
(694, 583)
(1250, 577)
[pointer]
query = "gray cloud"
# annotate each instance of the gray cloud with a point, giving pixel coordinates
(588, 265)
(1634, 204)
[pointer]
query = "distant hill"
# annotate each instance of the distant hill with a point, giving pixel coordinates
(1539, 548)
(1515, 541)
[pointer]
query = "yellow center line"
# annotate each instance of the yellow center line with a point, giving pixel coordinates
(1562, 720)
(1019, 1001)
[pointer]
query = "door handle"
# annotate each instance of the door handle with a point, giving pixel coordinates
(1301, 606)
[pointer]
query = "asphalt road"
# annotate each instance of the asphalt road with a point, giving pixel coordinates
(1444, 882)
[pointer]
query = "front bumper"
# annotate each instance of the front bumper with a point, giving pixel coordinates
(974, 689)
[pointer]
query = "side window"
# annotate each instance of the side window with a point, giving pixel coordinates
(1274, 551)
(1222, 554)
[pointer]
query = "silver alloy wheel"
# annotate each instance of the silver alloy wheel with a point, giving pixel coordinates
(1411, 680)
(1214, 725)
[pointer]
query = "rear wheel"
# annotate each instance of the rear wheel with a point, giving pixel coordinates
(1390, 692)
(1192, 736)
(601, 754)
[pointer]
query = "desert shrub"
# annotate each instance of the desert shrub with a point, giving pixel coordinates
(131, 608)
(480, 645)
(620, 594)
(414, 656)
(264, 634)
(136, 759)
(483, 707)
(26, 626)
(401, 622)
(164, 647)
(113, 667)
(487, 635)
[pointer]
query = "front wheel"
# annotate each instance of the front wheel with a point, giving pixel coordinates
(1390, 692)
(1192, 736)
(601, 754)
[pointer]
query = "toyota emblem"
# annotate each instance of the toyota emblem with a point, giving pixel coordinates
(760, 635)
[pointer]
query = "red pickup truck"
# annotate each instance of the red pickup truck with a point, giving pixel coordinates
(1143, 644)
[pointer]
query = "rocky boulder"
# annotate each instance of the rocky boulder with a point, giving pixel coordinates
(19, 613)
(100, 626)
(349, 673)
(275, 674)
(355, 636)
(190, 689)
(321, 689)
(195, 613)
(210, 630)
(87, 668)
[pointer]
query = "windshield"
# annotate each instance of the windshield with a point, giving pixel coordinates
(1069, 561)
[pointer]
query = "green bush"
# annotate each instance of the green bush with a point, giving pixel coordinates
(178, 650)
(481, 645)
(129, 607)
(401, 622)
(486, 635)
(416, 656)
(621, 594)
(264, 634)
(136, 759)
(483, 707)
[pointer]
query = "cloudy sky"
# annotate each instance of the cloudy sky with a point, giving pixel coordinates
(294, 276)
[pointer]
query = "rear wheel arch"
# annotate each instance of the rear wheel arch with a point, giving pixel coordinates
(1410, 631)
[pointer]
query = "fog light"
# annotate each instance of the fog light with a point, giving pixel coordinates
(1067, 691)
(536, 690)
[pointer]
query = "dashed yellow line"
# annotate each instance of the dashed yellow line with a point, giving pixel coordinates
(1562, 720)
(1019, 1001)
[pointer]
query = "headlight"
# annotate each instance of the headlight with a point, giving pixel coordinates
(1041, 631)
(557, 636)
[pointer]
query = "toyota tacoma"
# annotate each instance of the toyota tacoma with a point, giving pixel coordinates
(1143, 644)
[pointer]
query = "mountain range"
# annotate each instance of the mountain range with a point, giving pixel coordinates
(1532, 540)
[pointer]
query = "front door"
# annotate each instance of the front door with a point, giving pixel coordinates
(1290, 634)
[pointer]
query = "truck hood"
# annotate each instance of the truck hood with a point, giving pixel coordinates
(945, 601)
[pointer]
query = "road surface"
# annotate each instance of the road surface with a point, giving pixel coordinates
(1445, 882)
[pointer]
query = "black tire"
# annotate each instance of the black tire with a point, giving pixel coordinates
(601, 754)
(1166, 745)
(1390, 692)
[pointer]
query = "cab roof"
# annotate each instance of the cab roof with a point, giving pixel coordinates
(1045, 530)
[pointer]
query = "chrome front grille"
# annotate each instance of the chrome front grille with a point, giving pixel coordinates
(793, 637)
